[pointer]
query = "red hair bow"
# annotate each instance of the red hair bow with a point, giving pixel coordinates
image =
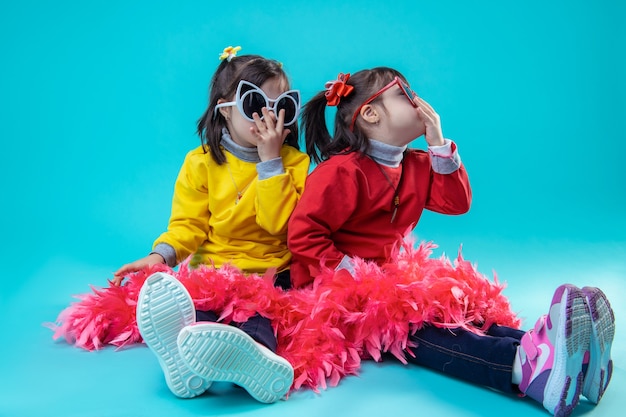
(337, 89)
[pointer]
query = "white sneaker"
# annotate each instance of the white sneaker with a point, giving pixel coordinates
(164, 307)
(219, 352)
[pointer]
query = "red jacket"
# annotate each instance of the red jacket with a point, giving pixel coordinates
(347, 205)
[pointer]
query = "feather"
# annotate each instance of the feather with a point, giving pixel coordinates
(325, 330)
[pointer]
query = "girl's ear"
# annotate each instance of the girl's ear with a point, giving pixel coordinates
(224, 111)
(370, 114)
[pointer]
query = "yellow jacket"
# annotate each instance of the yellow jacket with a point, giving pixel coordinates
(209, 220)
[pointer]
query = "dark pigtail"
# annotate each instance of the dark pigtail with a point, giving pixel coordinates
(316, 135)
(319, 144)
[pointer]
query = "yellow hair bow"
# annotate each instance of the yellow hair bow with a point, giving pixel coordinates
(229, 53)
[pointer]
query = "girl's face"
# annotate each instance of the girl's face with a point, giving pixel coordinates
(240, 129)
(399, 118)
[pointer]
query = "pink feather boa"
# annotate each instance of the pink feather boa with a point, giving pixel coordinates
(324, 330)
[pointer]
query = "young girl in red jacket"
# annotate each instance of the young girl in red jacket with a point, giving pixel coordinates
(368, 192)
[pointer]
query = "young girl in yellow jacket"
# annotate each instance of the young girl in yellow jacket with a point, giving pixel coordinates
(232, 201)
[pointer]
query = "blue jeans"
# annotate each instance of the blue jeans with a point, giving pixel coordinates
(257, 326)
(482, 359)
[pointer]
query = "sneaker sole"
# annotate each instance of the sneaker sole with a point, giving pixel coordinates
(564, 385)
(603, 331)
(219, 352)
(164, 307)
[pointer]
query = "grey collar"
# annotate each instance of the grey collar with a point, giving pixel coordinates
(241, 152)
(386, 154)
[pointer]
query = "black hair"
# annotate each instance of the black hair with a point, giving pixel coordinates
(319, 144)
(252, 68)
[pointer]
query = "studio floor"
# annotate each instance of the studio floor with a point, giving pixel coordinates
(41, 377)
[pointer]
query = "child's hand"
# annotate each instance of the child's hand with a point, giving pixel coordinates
(138, 265)
(270, 133)
(433, 135)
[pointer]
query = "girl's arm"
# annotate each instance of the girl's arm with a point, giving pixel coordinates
(450, 191)
(189, 220)
(329, 200)
(139, 264)
(280, 185)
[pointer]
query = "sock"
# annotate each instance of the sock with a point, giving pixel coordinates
(517, 369)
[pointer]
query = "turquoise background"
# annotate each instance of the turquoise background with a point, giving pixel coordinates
(98, 107)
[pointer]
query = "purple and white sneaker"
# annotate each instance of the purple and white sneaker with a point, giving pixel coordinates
(600, 366)
(552, 353)
(164, 307)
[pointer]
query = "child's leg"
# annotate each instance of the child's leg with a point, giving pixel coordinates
(598, 366)
(257, 327)
(283, 280)
(260, 329)
(206, 316)
(242, 353)
(550, 356)
(220, 352)
(164, 307)
(504, 331)
(484, 360)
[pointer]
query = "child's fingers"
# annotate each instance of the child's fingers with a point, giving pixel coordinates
(280, 123)
(260, 125)
(269, 118)
(427, 109)
(286, 133)
(423, 103)
(119, 275)
(427, 113)
(120, 272)
(129, 269)
(424, 115)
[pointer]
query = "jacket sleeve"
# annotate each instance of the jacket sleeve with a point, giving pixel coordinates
(450, 191)
(278, 195)
(189, 219)
(329, 200)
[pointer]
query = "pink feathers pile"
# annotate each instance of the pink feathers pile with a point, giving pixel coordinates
(324, 330)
